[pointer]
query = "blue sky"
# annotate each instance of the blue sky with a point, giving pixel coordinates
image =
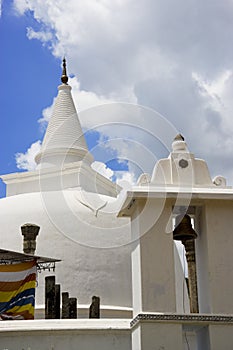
(30, 75)
(177, 61)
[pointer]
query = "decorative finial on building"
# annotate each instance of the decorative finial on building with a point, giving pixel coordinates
(64, 77)
(179, 144)
(179, 137)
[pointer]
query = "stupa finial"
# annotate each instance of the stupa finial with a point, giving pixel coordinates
(179, 137)
(64, 77)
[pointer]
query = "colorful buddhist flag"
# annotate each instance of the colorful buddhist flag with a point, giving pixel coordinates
(17, 290)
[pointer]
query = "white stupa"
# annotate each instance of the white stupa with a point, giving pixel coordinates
(76, 211)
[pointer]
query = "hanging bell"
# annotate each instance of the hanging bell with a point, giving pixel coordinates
(184, 230)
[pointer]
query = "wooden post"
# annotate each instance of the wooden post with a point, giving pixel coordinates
(72, 307)
(50, 297)
(57, 300)
(192, 274)
(94, 311)
(65, 305)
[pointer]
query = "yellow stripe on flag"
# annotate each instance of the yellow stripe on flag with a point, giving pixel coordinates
(17, 310)
(7, 296)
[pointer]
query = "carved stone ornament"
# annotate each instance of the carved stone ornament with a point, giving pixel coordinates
(144, 179)
(183, 163)
(220, 181)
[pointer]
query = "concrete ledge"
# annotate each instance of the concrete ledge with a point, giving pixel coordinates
(183, 318)
(65, 334)
(65, 325)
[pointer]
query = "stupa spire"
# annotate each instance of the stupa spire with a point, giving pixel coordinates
(64, 141)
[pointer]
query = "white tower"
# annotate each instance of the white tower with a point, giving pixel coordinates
(181, 184)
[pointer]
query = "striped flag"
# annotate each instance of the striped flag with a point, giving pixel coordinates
(17, 290)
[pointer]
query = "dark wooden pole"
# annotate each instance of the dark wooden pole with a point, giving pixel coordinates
(192, 274)
(57, 300)
(65, 305)
(50, 297)
(72, 307)
(94, 311)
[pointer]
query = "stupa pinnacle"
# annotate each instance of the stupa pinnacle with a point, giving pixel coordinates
(64, 77)
(64, 141)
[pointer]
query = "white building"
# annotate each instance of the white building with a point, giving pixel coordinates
(121, 249)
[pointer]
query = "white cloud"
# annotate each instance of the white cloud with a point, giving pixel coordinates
(102, 169)
(26, 161)
(42, 36)
(125, 179)
(147, 53)
(21, 6)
